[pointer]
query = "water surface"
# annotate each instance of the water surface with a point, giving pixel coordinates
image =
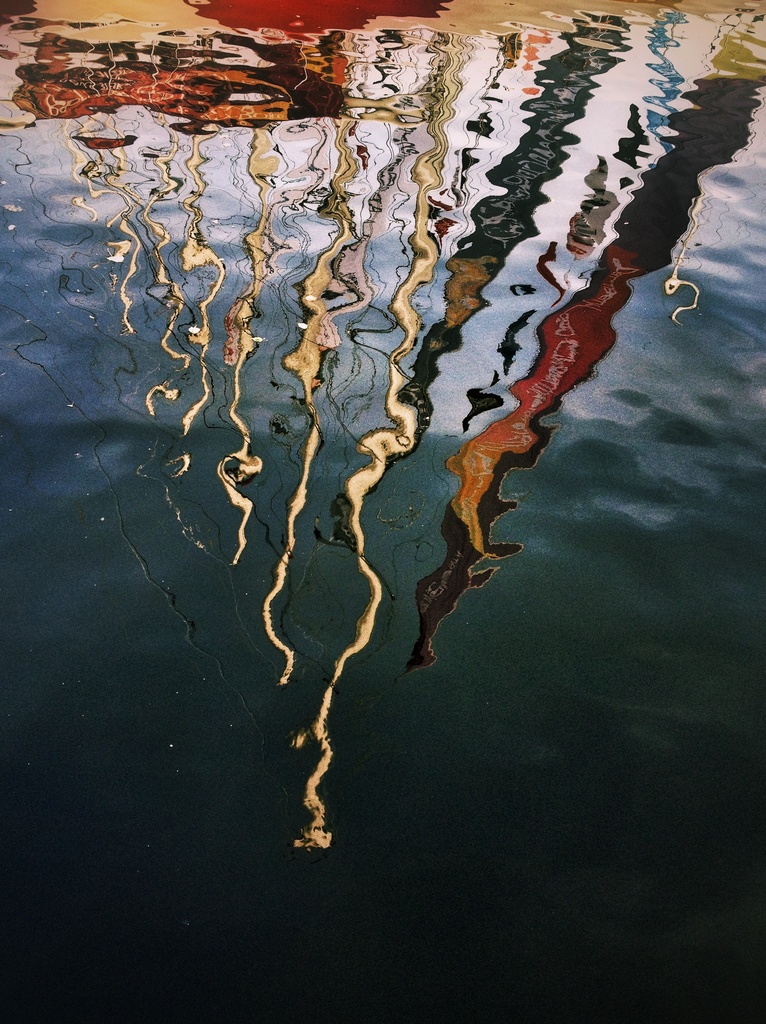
(382, 480)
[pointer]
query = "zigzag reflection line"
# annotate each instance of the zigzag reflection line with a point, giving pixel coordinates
(132, 203)
(175, 299)
(316, 834)
(261, 164)
(387, 443)
(674, 282)
(79, 164)
(248, 464)
(305, 362)
(196, 254)
(383, 444)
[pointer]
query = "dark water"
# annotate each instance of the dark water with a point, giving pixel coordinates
(383, 465)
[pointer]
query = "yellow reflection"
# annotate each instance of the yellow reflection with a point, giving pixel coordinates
(736, 56)
(131, 245)
(305, 363)
(115, 20)
(238, 468)
(164, 389)
(196, 254)
(174, 299)
(674, 282)
(387, 443)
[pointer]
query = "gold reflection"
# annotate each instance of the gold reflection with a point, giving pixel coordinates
(387, 443)
(195, 255)
(173, 299)
(305, 361)
(80, 171)
(245, 464)
(238, 468)
(132, 244)
(164, 389)
(674, 282)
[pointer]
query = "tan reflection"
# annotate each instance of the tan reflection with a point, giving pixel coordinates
(237, 469)
(305, 362)
(185, 462)
(495, 16)
(262, 164)
(195, 255)
(316, 833)
(122, 19)
(388, 443)
(246, 465)
(90, 167)
(418, 109)
(80, 164)
(674, 282)
(174, 299)
(131, 245)
(164, 389)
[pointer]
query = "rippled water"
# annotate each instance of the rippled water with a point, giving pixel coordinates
(382, 444)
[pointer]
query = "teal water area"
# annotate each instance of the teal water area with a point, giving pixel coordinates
(562, 816)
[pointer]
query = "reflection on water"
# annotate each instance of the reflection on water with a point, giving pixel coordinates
(305, 258)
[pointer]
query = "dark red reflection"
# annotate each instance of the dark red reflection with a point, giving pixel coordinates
(298, 16)
(10, 9)
(298, 81)
(100, 142)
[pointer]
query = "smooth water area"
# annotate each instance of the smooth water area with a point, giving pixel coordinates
(382, 482)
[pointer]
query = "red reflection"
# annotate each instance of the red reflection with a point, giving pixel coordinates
(296, 16)
(13, 8)
(573, 340)
(298, 81)
(100, 142)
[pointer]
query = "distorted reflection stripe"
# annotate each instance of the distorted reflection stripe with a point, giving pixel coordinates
(574, 339)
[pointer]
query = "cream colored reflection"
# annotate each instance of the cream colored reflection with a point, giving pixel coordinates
(305, 361)
(174, 300)
(387, 443)
(114, 175)
(197, 254)
(384, 87)
(90, 168)
(674, 282)
(238, 468)
(737, 51)
(128, 248)
(80, 164)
